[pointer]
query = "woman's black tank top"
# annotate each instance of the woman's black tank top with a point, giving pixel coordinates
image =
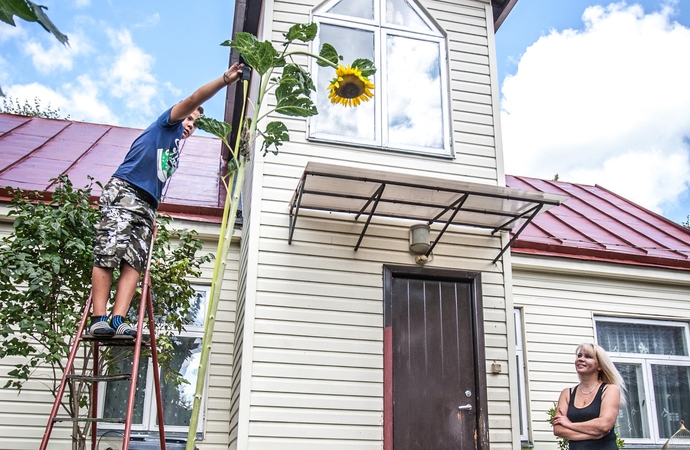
(589, 412)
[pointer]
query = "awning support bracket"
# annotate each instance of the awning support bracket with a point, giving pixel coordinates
(294, 206)
(535, 210)
(375, 198)
(458, 206)
(448, 208)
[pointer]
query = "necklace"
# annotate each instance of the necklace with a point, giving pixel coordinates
(590, 391)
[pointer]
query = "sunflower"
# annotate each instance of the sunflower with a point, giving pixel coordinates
(350, 88)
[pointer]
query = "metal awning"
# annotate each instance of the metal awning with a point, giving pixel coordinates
(376, 193)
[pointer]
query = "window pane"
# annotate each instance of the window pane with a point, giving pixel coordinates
(399, 12)
(632, 417)
(354, 123)
(178, 400)
(354, 8)
(198, 309)
(116, 392)
(414, 92)
(625, 337)
(672, 396)
(521, 401)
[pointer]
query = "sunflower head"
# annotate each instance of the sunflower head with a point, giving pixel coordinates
(350, 88)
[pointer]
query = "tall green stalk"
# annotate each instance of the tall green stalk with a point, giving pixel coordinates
(232, 198)
(292, 90)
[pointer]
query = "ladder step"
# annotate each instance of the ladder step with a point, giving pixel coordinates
(115, 377)
(119, 340)
(89, 419)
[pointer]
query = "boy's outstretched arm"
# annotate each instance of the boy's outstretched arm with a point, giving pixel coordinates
(187, 106)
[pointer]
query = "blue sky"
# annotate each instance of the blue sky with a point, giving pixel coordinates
(593, 91)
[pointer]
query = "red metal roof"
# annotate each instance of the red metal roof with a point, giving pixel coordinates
(34, 150)
(596, 224)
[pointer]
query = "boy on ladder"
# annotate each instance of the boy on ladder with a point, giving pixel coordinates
(128, 206)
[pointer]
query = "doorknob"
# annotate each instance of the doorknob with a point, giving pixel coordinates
(468, 407)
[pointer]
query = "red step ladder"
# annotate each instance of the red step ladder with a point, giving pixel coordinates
(145, 308)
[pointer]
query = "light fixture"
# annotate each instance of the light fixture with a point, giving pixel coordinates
(419, 238)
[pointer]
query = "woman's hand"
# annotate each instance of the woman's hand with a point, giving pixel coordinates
(562, 419)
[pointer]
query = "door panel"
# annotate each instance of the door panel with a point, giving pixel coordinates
(433, 342)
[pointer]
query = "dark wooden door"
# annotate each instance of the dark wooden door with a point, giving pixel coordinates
(433, 340)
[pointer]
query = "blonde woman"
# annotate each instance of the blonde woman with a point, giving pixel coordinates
(586, 414)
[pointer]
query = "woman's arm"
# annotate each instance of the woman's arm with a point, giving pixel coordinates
(610, 404)
(561, 420)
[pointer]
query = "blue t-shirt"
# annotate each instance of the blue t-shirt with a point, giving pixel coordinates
(153, 156)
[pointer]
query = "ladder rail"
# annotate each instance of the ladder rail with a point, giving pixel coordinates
(94, 394)
(156, 372)
(63, 383)
(145, 304)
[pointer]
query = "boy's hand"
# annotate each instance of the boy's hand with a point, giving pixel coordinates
(233, 73)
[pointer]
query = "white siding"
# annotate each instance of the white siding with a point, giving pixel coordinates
(560, 298)
(317, 353)
(23, 417)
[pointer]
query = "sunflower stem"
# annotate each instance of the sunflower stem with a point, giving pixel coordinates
(317, 57)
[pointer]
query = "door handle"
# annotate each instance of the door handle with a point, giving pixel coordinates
(468, 407)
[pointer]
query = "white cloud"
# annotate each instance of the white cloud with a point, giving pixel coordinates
(8, 32)
(4, 76)
(80, 99)
(608, 104)
(129, 77)
(82, 3)
(149, 22)
(56, 56)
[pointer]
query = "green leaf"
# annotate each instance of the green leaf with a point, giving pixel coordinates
(302, 78)
(31, 12)
(365, 66)
(276, 133)
(215, 127)
(232, 166)
(302, 32)
(296, 106)
(291, 101)
(46, 23)
(19, 8)
(259, 55)
(329, 52)
(288, 87)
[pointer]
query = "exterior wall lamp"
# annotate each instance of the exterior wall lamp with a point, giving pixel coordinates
(419, 238)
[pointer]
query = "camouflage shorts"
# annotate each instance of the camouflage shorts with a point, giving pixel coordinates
(124, 231)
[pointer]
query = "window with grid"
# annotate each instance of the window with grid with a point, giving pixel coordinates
(177, 400)
(410, 110)
(652, 357)
(522, 381)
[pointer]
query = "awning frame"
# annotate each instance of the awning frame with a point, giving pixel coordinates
(538, 202)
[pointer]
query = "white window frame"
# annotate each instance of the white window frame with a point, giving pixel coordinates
(646, 361)
(150, 410)
(381, 32)
(521, 372)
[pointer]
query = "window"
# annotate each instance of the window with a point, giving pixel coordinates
(409, 111)
(177, 400)
(652, 357)
(522, 383)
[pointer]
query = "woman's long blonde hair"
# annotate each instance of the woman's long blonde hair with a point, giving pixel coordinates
(608, 373)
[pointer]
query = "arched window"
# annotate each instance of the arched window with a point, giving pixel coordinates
(410, 110)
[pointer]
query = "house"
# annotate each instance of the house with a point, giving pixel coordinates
(341, 328)
(601, 269)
